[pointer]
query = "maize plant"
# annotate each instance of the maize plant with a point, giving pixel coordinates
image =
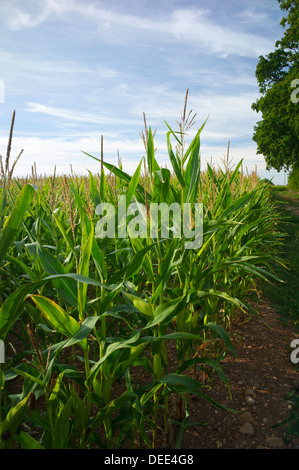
(100, 332)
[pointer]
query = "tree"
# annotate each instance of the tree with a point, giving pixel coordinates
(293, 179)
(277, 134)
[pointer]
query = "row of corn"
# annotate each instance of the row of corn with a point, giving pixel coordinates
(107, 339)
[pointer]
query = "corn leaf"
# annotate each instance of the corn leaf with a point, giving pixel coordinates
(86, 250)
(14, 221)
(133, 185)
(94, 190)
(13, 307)
(13, 420)
(174, 162)
(27, 441)
(65, 287)
(58, 318)
(151, 161)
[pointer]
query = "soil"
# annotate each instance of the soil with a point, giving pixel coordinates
(292, 204)
(262, 371)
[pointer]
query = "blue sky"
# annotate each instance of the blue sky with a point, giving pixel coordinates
(74, 71)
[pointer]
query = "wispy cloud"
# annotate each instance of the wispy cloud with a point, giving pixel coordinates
(19, 19)
(251, 14)
(63, 153)
(189, 25)
(72, 115)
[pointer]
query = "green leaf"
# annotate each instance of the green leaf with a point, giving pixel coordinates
(174, 133)
(220, 331)
(174, 162)
(194, 141)
(133, 185)
(58, 318)
(14, 221)
(13, 307)
(143, 306)
(161, 187)
(137, 261)
(129, 343)
(55, 391)
(185, 384)
(80, 410)
(124, 176)
(69, 241)
(222, 295)
(137, 246)
(64, 286)
(151, 161)
(13, 420)
(167, 267)
(111, 407)
(236, 171)
(78, 278)
(166, 312)
(85, 254)
(94, 190)
(192, 172)
(83, 332)
(217, 367)
(27, 441)
(62, 426)
(27, 375)
(238, 204)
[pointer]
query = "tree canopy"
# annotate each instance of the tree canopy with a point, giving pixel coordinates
(277, 134)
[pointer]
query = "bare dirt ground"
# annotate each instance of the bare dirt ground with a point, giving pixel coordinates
(260, 378)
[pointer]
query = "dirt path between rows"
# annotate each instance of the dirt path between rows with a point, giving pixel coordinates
(260, 378)
(292, 204)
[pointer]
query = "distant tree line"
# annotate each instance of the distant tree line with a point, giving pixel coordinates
(277, 133)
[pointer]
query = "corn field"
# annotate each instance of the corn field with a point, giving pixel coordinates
(108, 339)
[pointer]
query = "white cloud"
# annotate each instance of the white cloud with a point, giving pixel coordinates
(20, 19)
(62, 153)
(62, 113)
(30, 69)
(189, 25)
(252, 15)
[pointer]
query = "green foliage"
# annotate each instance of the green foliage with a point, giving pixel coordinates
(293, 180)
(293, 420)
(285, 296)
(277, 133)
(266, 181)
(89, 313)
(280, 187)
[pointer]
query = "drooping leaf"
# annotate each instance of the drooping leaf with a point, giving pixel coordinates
(58, 318)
